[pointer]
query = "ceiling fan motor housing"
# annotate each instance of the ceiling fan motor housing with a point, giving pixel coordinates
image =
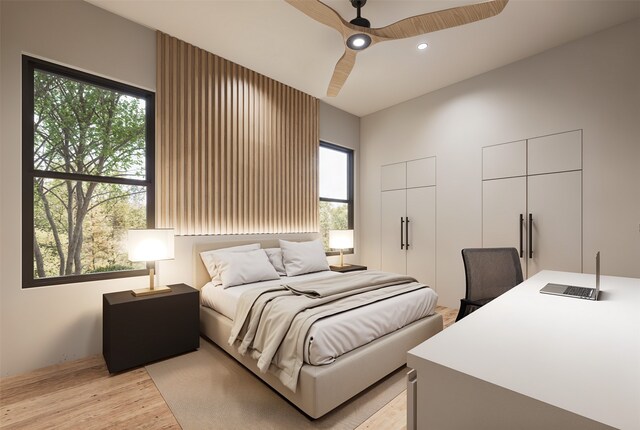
(359, 20)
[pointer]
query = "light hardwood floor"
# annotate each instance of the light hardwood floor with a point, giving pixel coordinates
(81, 394)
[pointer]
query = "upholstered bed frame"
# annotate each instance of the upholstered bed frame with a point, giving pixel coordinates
(320, 388)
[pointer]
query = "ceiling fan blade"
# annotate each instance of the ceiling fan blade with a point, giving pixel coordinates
(320, 12)
(341, 72)
(434, 21)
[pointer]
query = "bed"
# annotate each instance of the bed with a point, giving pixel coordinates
(320, 387)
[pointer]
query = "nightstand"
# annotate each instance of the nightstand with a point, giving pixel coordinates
(349, 268)
(139, 330)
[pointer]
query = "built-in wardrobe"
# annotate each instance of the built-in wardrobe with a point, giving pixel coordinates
(408, 219)
(532, 200)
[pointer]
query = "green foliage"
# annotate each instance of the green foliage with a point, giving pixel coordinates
(111, 268)
(333, 216)
(79, 128)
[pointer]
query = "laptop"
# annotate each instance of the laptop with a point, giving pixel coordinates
(575, 291)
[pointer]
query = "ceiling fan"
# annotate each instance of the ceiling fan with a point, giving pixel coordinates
(358, 34)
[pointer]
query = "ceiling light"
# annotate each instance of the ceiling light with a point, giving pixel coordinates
(358, 42)
(422, 46)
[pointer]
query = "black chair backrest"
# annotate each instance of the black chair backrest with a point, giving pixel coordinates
(490, 271)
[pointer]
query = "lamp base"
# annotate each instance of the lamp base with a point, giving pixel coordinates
(340, 266)
(148, 292)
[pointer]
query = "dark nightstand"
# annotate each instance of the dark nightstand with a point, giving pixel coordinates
(349, 268)
(139, 330)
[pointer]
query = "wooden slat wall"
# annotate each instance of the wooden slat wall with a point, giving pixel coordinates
(236, 152)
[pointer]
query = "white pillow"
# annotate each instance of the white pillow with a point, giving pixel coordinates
(237, 268)
(303, 257)
(275, 257)
(207, 257)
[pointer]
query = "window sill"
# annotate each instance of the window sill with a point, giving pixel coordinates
(74, 279)
(333, 253)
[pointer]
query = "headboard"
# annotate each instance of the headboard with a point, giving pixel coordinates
(201, 276)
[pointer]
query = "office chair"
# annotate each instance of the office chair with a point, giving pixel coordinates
(489, 272)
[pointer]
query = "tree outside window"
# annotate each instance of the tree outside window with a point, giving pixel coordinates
(336, 190)
(88, 177)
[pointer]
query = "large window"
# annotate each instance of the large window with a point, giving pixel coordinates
(336, 190)
(88, 171)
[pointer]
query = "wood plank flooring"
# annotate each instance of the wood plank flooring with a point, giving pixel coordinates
(81, 394)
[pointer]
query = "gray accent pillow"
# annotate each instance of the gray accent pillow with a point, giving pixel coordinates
(303, 257)
(275, 257)
(208, 258)
(238, 268)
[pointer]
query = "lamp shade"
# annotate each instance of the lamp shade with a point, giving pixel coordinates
(150, 244)
(341, 239)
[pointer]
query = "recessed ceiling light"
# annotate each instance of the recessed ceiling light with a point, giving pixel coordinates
(422, 46)
(359, 41)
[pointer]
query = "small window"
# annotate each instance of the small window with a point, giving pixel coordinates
(336, 190)
(87, 174)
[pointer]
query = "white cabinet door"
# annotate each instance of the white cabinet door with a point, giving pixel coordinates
(421, 173)
(555, 204)
(556, 153)
(393, 177)
(393, 255)
(504, 201)
(421, 252)
(504, 161)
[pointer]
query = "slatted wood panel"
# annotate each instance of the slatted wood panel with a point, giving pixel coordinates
(236, 152)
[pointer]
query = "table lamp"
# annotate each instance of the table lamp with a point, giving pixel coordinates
(341, 239)
(150, 245)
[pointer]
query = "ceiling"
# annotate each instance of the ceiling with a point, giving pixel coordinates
(276, 40)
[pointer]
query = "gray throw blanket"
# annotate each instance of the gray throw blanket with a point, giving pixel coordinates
(349, 282)
(271, 323)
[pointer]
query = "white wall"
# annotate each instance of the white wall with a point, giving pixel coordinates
(342, 128)
(339, 127)
(41, 326)
(48, 325)
(589, 84)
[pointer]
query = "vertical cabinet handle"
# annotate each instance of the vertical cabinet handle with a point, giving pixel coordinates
(521, 247)
(401, 232)
(406, 232)
(530, 236)
(412, 400)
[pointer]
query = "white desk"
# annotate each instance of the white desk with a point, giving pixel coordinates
(534, 361)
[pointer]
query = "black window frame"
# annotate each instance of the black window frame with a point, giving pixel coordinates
(29, 65)
(350, 191)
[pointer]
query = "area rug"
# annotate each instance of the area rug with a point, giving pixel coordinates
(208, 389)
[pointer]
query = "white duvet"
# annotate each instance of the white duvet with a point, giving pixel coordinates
(331, 337)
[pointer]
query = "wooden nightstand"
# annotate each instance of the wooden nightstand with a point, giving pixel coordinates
(349, 268)
(139, 330)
